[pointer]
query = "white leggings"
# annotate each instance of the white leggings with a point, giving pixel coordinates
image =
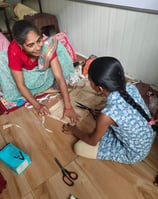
(86, 150)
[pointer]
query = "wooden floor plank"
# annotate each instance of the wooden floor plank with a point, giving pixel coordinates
(41, 146)
(114, 180)
(28, 196)
(55, 188)
(101, 179)
(152, 158)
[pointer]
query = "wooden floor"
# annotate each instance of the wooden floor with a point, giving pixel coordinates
(43, 180)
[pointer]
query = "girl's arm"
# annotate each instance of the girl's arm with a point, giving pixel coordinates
(19, 80)
(93, 138)
(68, 109)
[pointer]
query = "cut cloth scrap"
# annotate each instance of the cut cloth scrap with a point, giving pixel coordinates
(5, 126)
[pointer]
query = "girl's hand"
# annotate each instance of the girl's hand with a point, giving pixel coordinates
(71, 114)
(42, 110)
(69, 129)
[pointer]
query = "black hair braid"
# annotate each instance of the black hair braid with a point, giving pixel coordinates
(136, 106)
(108, 73)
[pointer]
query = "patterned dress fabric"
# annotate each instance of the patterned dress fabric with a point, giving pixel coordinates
(131, 140)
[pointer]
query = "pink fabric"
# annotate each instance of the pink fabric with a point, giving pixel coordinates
(4, 43)
(62, 37)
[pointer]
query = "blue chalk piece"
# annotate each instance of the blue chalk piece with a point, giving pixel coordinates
(14, 158)
(19, 102)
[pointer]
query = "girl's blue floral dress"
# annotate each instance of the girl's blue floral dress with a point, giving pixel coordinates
(131, 140)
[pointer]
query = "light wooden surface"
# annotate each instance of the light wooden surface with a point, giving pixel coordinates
(43, 180)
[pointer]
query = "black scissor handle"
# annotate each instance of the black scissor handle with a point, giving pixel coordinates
(79, 104)
(73, 175)
(82, 106)
(69, 176)
(67, 180)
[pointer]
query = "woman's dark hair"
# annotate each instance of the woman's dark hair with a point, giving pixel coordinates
(108, 73)
(20, 30)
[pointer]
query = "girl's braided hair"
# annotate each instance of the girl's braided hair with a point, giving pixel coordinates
(108, 73)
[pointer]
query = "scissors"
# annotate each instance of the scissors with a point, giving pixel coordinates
(82, 106)
(68, 176)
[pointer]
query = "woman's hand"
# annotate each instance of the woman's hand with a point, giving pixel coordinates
(71, 114)
(58, 74)
(42, 110)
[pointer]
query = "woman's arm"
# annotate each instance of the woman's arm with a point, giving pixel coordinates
(93, 138)
(58, 74)
(19, 80)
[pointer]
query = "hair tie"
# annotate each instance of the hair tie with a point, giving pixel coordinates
(151, 122)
